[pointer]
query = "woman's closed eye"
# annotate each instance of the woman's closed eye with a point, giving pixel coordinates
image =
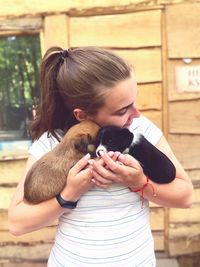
(121, 112)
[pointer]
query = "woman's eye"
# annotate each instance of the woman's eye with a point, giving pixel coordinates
(122, 112)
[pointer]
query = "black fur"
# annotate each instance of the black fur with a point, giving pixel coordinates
(156, 165)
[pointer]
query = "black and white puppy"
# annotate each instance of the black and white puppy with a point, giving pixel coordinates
(156, 165)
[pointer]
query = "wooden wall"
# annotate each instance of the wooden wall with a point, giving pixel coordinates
(142, 33)
(183, 37)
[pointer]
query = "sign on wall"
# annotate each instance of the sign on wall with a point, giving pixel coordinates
(188, 79)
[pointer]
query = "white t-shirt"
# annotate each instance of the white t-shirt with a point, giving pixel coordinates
(108, 227)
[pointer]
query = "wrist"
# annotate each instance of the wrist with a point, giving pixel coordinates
(69, 195)
(66, 203)
(140, 183)
(142, 188)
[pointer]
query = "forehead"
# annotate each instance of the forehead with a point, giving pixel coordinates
(121, 95)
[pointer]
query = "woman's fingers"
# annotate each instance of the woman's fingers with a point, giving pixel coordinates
(82, 163)
(100, 181)
(112, 163)
(128, 161)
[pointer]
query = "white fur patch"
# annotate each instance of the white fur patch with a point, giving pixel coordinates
(136, 139)
(99, 149)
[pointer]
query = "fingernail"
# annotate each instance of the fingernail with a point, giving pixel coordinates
(111, 153)
(87, 156)
(101, 153)
(91, 162)
(121, 156)
(118, 153)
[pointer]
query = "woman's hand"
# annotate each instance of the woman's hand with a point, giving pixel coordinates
(79, 180)
(123, 169)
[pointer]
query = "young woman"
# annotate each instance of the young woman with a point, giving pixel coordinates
(104, 223)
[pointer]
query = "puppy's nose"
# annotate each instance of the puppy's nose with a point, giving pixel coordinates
(100, 149)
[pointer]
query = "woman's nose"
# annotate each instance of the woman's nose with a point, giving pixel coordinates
(135, 113)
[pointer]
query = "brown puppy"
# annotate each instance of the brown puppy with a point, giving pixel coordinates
(47, 177)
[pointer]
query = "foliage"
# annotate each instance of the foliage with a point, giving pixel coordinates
(19, 88)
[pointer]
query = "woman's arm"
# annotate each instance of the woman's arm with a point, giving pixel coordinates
(178, 193)
(24, 218)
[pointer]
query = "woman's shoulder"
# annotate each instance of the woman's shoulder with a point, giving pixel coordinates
(147, 128)
(44, 144)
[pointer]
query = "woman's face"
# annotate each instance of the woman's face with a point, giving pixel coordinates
(119, 108)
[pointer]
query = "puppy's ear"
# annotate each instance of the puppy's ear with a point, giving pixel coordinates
(82, 144)
(126, 137)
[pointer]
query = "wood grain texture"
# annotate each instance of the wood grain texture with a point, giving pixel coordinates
(55, 32)
(183, 30)
(184, 117)
(122, 30)
(186, 148)
(147, 63)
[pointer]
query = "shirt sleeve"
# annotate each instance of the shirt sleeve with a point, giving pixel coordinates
(147, 128)
(43, 145)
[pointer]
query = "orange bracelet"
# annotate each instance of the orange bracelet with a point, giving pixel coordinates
(143, 188)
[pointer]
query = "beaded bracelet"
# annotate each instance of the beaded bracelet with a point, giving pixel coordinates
(143, 188)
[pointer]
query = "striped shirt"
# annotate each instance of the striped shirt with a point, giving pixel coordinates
(109, 227)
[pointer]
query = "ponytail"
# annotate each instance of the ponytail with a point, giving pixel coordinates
(52, 113)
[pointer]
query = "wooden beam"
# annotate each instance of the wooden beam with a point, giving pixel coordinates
(21, 25)
(74, 8)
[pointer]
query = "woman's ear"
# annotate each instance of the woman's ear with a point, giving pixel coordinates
(79, 114)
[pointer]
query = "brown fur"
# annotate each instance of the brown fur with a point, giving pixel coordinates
(47, 177)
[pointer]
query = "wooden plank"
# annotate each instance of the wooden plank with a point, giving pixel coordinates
(157, 219)
(186, 149)
(142, 61)
(11, 171)
(104, 30)
(159, 241)
(191, 215)
(78, 7)
(195, 177)
(38, 252)
(21, 24)
(155, 116)
(184, 230)
(23, 264)
(3, 221)
(182, 30)
(182, 121)
(45, 235)
(171, 80)
(183, 247)
(6, 194)
(55, 32)
(149, 96)
(197, 195)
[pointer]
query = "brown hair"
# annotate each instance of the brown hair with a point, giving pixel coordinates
(76, 78)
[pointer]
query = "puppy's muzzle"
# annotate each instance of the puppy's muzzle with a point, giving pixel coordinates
(100, 149)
